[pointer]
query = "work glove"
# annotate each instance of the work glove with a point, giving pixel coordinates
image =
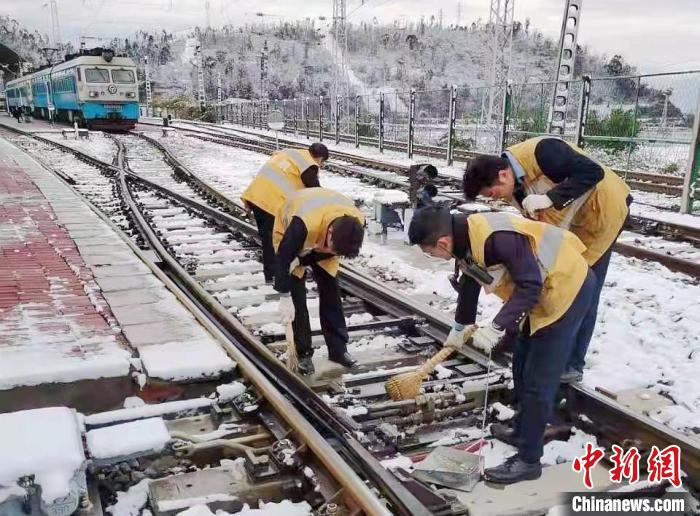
(534, 203)
(455, 339)
(487, 336)
(286, 308)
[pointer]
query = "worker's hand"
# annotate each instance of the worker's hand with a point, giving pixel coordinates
(487, 336)
(455, 339)
(534, 203)
(286, 308)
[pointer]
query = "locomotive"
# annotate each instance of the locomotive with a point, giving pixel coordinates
(94, 88)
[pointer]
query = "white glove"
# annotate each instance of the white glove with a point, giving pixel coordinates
(486, 337)
(456, 338)
(286, 308)
(534, 203)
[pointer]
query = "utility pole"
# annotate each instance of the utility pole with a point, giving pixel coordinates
(55, 25)
(459, 14)
(501, 26)
(200, 77)
(564, 72)
(440, 18)
(207, 9)
(148, 86)
(263, 71)
(218, 88)
(340, 49)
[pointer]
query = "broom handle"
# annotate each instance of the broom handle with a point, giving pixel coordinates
(432, 363)
(442, 355)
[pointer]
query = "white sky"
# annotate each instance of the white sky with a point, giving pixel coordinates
(656, 35)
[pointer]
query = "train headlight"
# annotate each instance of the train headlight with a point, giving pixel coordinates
(130, 94)
(94, 94)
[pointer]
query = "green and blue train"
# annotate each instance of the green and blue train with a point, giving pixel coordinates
(94, 88)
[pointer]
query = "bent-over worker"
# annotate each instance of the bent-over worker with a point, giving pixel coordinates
(287, 171)
(539, 271)
(314, 228)
(551, 180)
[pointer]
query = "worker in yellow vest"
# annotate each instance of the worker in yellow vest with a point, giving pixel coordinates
(539, 271)
(314, 228)
(287, 171)
(553, 181)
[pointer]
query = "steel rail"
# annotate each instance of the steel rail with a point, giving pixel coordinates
(604, 411)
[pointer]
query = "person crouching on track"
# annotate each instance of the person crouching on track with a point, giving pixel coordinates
(314, 228)
(287, 171)
(553, 181)
(540, 273)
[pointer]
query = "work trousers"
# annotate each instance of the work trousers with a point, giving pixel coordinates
(538, 363)
(265, 222)
(585, 333)
(330, 310)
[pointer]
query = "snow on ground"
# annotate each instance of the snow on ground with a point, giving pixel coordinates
(130, 502)
(42, 442)
(673, 217)
(98, 146)
(186, 359)
(71, 353)
(146, 435)
(231, 169)
(395, 157)
(283, 508)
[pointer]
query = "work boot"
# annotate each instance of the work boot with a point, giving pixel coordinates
(504, 433)
(306, 366)
(344, 360)
(571, 375)
(513, 470)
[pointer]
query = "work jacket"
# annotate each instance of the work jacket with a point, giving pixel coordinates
(596, 217)
(278, 178)
(317, 208)
(559, 255)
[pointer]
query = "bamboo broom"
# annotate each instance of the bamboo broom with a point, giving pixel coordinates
(406, 386)
(292, 358)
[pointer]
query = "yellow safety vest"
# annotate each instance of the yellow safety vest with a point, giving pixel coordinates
(559, 255)
(596, 217)
(278, 178)
(317, 208)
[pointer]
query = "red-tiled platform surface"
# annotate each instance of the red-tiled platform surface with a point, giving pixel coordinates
(50, 328)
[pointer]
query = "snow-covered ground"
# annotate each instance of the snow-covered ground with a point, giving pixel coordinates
(232, 169)
(99, 145)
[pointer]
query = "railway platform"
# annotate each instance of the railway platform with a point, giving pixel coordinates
(85, 318)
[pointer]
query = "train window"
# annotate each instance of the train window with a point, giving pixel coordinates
(77, 71)
(123, 76)
(96, 75)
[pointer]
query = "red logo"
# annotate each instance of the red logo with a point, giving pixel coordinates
(625, 465)
(588, 462)
(661, 464)
(665, 465)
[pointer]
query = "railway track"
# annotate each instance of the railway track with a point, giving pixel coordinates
(393, 176)
(213, 255)
(643, 181)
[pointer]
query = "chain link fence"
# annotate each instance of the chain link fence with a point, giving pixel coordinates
(636, 123)
(642, 122)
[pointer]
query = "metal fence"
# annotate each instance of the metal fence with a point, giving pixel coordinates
(632, 123)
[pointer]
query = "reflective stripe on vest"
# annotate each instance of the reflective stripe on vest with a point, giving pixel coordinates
(543, 185)
(548, 247)
(558, 252)
(315, 203)
(278, 179)
(301, 160)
